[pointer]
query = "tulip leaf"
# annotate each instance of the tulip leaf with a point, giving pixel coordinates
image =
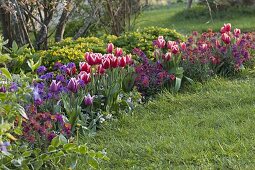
(177, 84)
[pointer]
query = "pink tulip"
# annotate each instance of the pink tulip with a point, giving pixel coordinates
(98, 58)
(122, 62)
(167, 56)
(237, 32)
(170, 44)
(175, 49)
(114, 62)
(89, 57)
(222, 30)
(161, 42)
(129, 59)
(84, 67)
(183, 46)
(118, 52)
(106, 63)
(85, 77)
(226, 38)
(227, 27)
(217, 43)
(110, 48)
(204, 46)
(100, 69)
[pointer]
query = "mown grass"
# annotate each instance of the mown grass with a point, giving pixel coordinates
(209, 126)
(197, 18)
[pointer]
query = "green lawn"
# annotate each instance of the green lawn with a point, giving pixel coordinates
(197, 19)
(209, 126)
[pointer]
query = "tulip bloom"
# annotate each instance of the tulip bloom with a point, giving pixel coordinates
(73, 85)
(237, 32)
(183, 46)
(110, 48)
(122, 62)
(226, 38)
(90, 59)
(204, 46)
(118, 52)
(114, 62)
(175, 49)
(97, 57)
(54, 86)
(167, 56)
(222, 30)
(88, 100)
(106, 63)
(129, 59)
(161, 43)
(100, 69)
(170, 44)
(84, 67)
(227, 27)
(85, 77)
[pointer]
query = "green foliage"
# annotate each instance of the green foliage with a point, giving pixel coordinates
(61, 154)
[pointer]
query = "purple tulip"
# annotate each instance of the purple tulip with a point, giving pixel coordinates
(73, 85)
(2, 89)
(88, 100)
(55, 86)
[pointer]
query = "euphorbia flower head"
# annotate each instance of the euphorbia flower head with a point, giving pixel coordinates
(226, 38)
(106, 63)
(110, 48)
(85, 67)
(183, 46)
(161, 43)
(170, 44)
(237, 32)
(73, 85)
(54, 86)
(122, 62)
(118, 52)
(175, 49)
(89, 58)
(88, 100)
(85, 77)
(100, 69)
(114, 62)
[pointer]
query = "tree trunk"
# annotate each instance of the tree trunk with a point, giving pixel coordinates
(189, 4)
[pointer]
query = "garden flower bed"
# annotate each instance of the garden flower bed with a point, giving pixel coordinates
(44, 111)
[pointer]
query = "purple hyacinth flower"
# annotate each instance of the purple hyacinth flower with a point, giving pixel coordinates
(55, 86)
(41, 70)
(88, 100)
(3, 146)
(73, 85)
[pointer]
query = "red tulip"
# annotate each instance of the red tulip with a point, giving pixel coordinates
(98, 58)
(183, 46)
(118, 52)
(114, 62)
(175, 49)
(71, 71)
(170, 44)
(122, 62)
(227, 27)
(217, 43)
(110, 48)
(237, 32)
(106, 63)
(90, 59)
(222, 30)
(226, 38)
(84, 67)
(85, 77)
(100, 69)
